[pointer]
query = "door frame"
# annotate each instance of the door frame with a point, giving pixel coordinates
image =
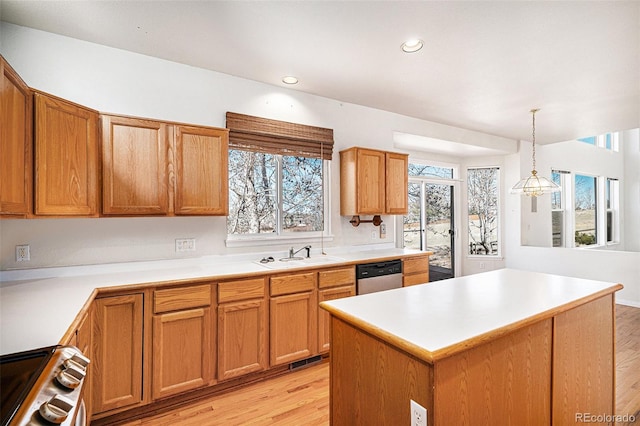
(457, 219)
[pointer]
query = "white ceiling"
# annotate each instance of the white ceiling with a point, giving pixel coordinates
(483, 67)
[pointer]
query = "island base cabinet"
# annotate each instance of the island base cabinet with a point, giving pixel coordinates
(583, 355)
(545, 372)
(180, 351)
(117, 351)
(504, 381)
(372, 383)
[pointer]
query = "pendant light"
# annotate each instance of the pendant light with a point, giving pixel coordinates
(534, 185)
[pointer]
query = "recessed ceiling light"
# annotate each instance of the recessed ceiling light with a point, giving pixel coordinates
(289, 79)
(411, 46)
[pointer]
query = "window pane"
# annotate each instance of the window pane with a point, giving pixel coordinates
(302, 201)
(252, 193)
(557, 227)
(556, 197)
(430, 171)
(591, 140)
(483, 211)
(411, 222)
(585, 210)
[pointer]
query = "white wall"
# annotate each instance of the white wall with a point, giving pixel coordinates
(121, 82)
(116, 81)
(606, 265)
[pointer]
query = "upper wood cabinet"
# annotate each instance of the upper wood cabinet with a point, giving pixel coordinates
(16, 165)
(134, 166)
(201, 159)
(373, 182)
(156, 168)
(66, 160)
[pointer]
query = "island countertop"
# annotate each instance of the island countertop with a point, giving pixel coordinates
(432, 321)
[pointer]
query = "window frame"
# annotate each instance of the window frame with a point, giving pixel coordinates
(498, 253)
(264, 239)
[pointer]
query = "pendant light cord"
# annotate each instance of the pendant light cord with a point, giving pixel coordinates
(533, 134)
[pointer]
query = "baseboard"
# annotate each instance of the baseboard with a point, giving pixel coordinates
(627, 302)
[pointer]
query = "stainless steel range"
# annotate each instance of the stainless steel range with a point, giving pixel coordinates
(43, 387)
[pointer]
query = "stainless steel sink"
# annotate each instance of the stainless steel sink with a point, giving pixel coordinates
(301, 262)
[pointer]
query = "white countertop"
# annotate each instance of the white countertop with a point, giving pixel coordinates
(429, 318)
(37, 306)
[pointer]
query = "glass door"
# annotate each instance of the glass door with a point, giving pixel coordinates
(429, 225)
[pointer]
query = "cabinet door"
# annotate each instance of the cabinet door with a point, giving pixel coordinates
(201, 171)
(292, 327)
(117, 352)
(370, 181)
(66, 145)
(397, 183)
(134, 166)
(181, 349)
(242, 338)
(15, 143)
(324, 317)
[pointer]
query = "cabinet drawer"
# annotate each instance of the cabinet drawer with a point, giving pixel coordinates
(173, 299)
(231, 291)
(295, 283)
(337, 277)
(422, 278)
(415, 264)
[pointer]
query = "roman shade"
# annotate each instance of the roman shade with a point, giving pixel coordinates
(250, 133)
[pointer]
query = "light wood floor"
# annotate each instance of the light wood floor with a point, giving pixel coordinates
(302, 397)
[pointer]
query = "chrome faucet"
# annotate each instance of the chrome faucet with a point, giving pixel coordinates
(292, 253)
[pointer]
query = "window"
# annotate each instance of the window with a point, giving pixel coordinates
(423, 170)
(277, 178)
(585, 190)
(612, 210)
(274, 194)
(609, 141)
(559, 205)
(483, 200)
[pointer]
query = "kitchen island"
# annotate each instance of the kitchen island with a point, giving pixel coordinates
(504, 347)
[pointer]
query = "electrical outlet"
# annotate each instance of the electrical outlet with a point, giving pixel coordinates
(418, 414)
(374, 235)
(482, 265)
(383, 230)
(22, 253)
(185, 244)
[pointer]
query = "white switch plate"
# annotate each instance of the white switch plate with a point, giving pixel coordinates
(185, 244)
(418, 414)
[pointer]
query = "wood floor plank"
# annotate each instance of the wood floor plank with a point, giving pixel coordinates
(302, 397)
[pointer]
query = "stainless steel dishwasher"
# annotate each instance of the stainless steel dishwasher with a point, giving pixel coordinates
(378, 276)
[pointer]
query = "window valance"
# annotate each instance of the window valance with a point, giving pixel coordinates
(250, 133)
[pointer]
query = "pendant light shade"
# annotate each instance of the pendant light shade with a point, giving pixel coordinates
(534, 185)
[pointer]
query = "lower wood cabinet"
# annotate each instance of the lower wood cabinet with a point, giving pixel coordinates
(181, 340)
(292, 316)
(117, 352)
(83, 342)
(415, 270)
(332, 284)
(242, 328)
